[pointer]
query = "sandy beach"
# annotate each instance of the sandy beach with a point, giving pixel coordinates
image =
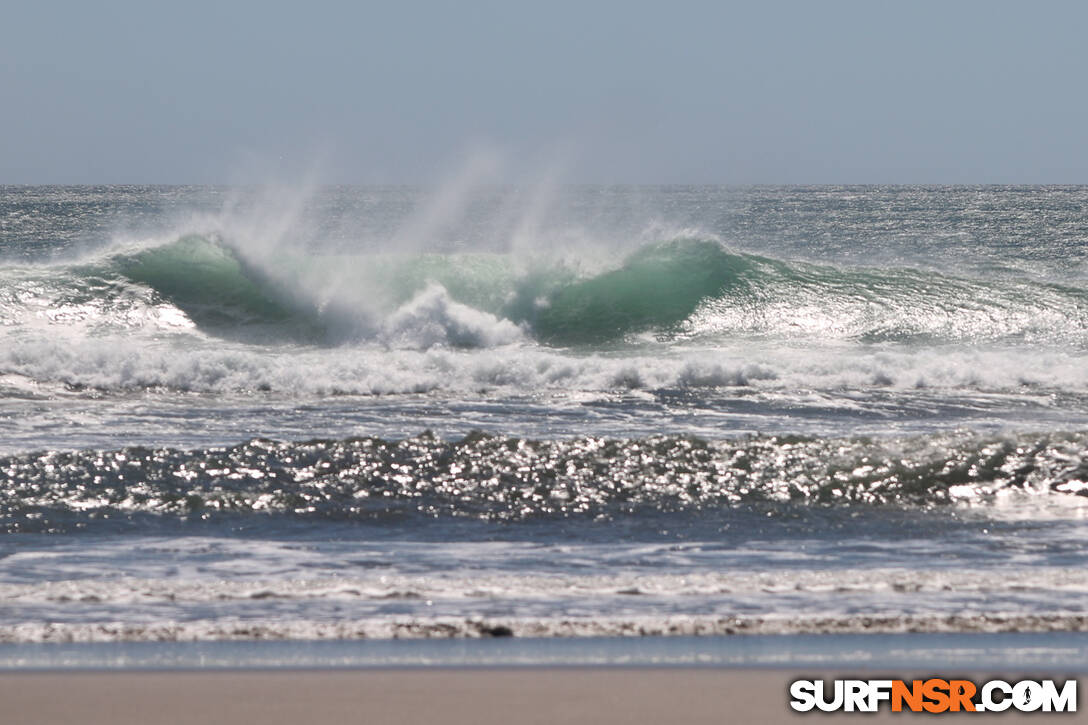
(452, 696)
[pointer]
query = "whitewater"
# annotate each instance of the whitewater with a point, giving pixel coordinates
(376, 412)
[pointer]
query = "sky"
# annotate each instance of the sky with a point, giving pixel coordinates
(599, 92)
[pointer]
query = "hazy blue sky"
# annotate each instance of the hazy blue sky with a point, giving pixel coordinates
(767, 92)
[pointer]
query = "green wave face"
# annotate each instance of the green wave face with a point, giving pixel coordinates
(656, 289)
(682, 287)
(208, 282)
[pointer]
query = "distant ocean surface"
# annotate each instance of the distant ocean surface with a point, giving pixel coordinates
(250, 413)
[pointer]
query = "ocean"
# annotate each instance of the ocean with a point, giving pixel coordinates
(353, 413)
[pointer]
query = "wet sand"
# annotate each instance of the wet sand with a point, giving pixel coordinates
(602, 696)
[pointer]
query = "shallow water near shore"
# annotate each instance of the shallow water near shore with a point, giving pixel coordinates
(1014, 652)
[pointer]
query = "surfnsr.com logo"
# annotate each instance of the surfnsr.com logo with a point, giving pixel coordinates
(933, 695)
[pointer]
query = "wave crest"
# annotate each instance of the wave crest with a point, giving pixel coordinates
(673, 290)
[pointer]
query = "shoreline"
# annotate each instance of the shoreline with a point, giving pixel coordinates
(452, 627)
(1038, 651)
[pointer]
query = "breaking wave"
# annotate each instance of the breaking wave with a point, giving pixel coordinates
(676, 289)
